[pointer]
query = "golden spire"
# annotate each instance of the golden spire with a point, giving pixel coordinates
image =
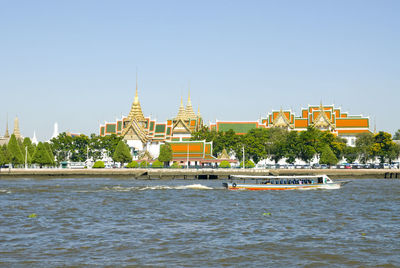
(7, 135)
(16, 132)
(181, 112)
(198, 111)
(136, 110)
(189, 108)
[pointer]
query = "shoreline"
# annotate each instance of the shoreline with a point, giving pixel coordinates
(143, 173)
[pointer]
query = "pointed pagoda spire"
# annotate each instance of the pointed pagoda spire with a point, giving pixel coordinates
(198, 112)
(181, 112)
(34, 139)
(189, 108)
(7, 134)
(16, 132)
(136, 110)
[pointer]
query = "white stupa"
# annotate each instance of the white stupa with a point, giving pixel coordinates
(55, 132)
(34, 139)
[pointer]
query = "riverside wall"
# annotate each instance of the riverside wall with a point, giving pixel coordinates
(196, 173)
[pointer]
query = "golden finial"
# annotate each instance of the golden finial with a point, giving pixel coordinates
(136, 94)
(7, 135)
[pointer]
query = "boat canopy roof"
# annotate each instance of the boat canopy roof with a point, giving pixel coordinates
(278, 177)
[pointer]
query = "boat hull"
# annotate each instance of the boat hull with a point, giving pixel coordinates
(261, 187)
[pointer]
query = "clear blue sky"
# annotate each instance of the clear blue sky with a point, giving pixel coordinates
(74, 62)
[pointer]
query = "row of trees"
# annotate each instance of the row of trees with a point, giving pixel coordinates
(277, 143)
(19, 153)
(78, 148)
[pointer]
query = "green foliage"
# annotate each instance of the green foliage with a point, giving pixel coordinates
(292, 147)
(5, 157)
(122, 153)
(77, 148)
(133, 164)
(397, 135)
(41, 156)
(225, 164)
(50, 152)
(350, 154)
(157, 164)
(165, 153)
(176, 165)
(249, 164)
(384, 148)
(144, 164)
(14, 149)
(364, 144)
(99, 164)
(328, 157)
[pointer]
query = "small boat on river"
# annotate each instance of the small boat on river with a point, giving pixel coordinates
(282, 183)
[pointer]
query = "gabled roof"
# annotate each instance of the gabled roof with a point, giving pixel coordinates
(135, 128)
(281, 120)
(224, 155)
(180, 127)
(322, 119)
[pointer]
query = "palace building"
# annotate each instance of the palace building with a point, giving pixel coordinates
(323, 117)
(145, 135)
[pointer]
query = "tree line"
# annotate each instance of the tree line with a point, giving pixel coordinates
(258, 144)
(18, 153)
(278, 143)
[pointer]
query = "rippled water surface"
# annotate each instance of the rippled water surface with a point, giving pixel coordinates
(196, 223)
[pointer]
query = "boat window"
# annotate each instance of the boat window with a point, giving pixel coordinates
(319, 179)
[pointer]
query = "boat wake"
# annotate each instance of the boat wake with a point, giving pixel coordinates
(158, 187)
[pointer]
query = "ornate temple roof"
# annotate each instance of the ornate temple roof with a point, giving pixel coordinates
(189, 109)
(181, 113)
(281, 120)
(136, 110)
(7, 134)
(223, 155)
(16, 132)
(322, 120)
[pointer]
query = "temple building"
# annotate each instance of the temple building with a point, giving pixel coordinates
(145, 135)
(324, 117)
(16, 132)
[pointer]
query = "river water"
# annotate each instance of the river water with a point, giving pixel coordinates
(187, 223)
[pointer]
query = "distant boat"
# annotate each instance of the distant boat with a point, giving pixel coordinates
(282, 183)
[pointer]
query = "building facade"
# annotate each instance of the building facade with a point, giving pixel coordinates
(323, 117)
(145, 135)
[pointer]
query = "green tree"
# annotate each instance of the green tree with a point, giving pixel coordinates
(14, 149)
(50, 152)
(99, 164)
(292, 148)
(249, 164)
(27, 144)
(225, 164)
(384, 148)
(350, 154)
(133, 164)
(175, 165)
(364, 143)
(397, 135)
(122, 153)
(41, 156)
(165, 154)
(157, 164)
(5, 155)
(144, 164)
(328, 157)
